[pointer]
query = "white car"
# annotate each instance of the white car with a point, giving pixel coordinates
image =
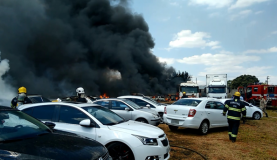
(124, 140)
(130, 111)
(252, 111)
(195, 113)
(146, 102)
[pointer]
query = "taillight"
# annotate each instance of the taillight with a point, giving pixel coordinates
(164, 110)
(192, 112)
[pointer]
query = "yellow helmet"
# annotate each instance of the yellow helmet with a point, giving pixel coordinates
(237, 94)
(184, 92)
(22, 90)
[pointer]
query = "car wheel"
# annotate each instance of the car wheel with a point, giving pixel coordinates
(173, 128)
(204, 127)
(252, 102)
(120, 151)
(256, 116)
(142, 120)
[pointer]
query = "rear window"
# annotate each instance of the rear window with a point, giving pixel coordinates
(39, 99)
(187, 102)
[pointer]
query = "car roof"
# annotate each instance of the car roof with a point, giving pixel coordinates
(75, 104)
(119, 99)
(133, 96)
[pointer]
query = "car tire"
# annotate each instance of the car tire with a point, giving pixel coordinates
(256, 115)
(252, 101)
(173, 128)
(142, 120)
(120, 151)
(204, 127)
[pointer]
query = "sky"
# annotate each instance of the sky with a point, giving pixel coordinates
(233, 37)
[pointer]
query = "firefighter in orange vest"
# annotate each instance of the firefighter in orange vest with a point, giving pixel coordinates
(235, 108)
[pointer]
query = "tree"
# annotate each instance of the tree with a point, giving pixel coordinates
(244, 80)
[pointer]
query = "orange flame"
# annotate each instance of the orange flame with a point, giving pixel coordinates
(104, 96)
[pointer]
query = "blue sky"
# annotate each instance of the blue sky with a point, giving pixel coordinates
(233, 37)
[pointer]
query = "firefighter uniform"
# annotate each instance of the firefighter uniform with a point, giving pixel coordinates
(21, 98)
(235, 108)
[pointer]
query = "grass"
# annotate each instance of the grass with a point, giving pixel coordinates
(257, 140)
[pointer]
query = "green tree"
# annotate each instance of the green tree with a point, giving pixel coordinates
(244, 80)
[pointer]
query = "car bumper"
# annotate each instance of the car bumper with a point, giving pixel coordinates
(145, 151)
(188, 122)
(155, 122)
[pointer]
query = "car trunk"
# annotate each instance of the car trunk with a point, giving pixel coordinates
(181, 111)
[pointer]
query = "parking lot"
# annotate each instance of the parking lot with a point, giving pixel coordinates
(257, 139)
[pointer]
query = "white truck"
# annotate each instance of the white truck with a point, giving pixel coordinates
(191, 89)
(216, 85)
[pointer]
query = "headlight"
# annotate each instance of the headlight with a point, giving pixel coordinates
(147, 141)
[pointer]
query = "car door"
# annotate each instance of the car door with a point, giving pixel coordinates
(221, 120)
(211, 112)
(43, 113)
(68, 119)
(119, 108)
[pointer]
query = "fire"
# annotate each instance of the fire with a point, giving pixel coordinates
(104, 96)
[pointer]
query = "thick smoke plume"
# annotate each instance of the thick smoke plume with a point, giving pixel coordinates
(55, 46)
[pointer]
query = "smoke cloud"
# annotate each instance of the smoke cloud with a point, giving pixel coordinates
(55, 46)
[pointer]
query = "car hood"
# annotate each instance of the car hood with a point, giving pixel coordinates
(138, 128)
(55, 146)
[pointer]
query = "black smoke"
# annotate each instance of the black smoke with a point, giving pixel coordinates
(55, 46)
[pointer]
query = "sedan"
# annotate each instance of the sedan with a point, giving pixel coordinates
(24, 137)
(124, 139)
(130, 111)
(252, 111)
(195, 113)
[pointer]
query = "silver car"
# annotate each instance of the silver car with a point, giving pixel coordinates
(130, 111)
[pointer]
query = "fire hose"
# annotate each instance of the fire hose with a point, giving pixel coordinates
(190, 150)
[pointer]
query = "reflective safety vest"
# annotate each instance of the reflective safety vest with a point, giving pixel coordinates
(235, 108)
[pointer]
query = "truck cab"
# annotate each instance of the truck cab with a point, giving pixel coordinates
(252, 93)
(191, 89)
(216, 86)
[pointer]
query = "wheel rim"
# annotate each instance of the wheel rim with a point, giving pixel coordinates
(120, 152)
(205, 127)
(257, 116)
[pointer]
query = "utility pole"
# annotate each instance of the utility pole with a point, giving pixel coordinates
(267, 79)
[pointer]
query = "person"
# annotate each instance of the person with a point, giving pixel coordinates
(184, 95)
(235, 108)
(81, 97)
(21, 98)
(180, 95)
(263, 103)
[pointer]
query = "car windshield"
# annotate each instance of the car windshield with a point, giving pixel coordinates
(16, 125)
(132, 104)
(217, 90)
(152, 100)
(39, 99)
(149, 101)
(189, 89)
(105, 116)
(187, 102)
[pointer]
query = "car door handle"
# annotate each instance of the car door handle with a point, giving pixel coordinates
(209, 113)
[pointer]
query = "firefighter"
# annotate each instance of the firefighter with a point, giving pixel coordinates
(263, 103)
(235, 108)
(184, 95)
(21, 98)
(81, 97)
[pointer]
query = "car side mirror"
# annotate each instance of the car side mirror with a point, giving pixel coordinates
(127, 109)
(50, 125)
(148, 105)
(86, 123)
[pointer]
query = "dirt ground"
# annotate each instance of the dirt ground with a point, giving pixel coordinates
(257, 140)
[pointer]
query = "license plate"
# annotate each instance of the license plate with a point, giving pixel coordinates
(175, 121)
